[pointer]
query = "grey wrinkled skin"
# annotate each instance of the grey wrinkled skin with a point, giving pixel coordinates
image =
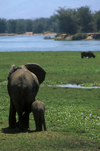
(23, 85)
(38, 110)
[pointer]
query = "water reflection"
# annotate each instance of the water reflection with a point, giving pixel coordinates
(74, 86)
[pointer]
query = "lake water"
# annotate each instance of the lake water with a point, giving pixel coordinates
(75, 86)
(37, 43)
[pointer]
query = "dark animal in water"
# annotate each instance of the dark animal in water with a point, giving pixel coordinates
(87, 54)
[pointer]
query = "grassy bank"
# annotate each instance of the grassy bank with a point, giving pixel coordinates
(61, 67)
(72, 115)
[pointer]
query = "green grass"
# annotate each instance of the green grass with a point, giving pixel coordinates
(61, 67)
(72, 115)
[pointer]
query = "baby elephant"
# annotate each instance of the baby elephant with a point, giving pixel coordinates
(38, 110)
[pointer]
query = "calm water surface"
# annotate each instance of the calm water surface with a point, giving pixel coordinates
(75, 86)
(37, 43)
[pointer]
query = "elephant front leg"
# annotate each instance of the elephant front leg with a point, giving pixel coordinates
(12, 116)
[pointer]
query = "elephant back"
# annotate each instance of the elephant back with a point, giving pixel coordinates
(32, 67)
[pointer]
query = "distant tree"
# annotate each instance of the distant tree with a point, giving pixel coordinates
(40, 28)
(85, 19)
(67, 20)
(97, 20)
(37, 24)
(2, 25)
(20, 26)
(54, 27)
(11, 28)
(42, 25)
(29, 25)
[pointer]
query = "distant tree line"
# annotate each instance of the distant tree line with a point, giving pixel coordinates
(20, 26)
(70, 21)
(80, 20)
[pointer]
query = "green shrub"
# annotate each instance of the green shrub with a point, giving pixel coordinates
(79, 36)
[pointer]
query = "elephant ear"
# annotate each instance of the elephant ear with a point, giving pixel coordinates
(12, 69)
(37, 70)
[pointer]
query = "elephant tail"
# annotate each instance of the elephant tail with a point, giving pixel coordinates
(22, 100)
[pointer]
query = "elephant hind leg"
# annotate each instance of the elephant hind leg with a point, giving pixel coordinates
(40, 126)
(12, 115)
(26, 120)
(21, 125)
(44, 124)
(37, 126)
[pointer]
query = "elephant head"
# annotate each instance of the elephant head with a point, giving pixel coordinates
(32, 67)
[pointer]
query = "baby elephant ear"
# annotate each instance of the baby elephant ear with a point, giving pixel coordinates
(12, 69)
(37, 70)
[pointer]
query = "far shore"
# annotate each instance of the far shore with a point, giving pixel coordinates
(28, 34)
(90, 36)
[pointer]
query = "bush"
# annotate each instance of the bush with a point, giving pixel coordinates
(79, 36)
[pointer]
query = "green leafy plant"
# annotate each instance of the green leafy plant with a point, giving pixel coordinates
(79, 36)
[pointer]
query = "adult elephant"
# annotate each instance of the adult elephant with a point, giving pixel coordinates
(23, 85)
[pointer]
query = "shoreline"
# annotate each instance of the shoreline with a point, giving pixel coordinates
(90, 36)
(27, 34)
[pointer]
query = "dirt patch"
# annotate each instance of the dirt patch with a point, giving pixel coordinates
(89, 38)
(64, 37)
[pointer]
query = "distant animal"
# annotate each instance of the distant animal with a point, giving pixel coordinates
(38, 110)
(87, 54)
